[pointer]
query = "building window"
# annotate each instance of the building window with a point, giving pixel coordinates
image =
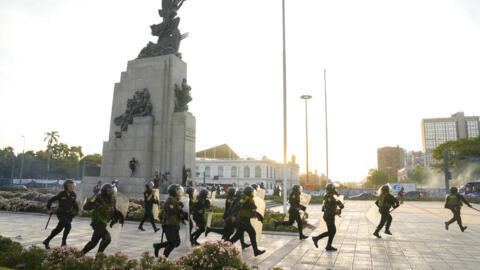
(220, 171)
(234, 171)
(207, 171)
(246, 172)
(258, 172)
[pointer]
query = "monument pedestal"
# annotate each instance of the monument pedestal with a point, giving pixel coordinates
(149, 122)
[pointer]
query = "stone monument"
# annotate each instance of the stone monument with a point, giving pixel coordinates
(151, 130)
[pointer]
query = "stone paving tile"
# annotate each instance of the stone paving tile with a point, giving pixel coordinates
(419, 241)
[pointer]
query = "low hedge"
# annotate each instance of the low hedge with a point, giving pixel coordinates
(313, 199)
(216, 255)
(32, 201)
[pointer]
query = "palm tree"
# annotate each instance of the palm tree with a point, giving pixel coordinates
(51, 136)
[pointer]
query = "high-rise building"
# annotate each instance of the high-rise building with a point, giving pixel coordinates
(390, 160)
(436, 131)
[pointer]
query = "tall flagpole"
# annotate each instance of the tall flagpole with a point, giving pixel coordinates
(326, 117)
(285, 169)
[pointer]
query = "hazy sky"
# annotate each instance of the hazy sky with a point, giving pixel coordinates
(389, 64)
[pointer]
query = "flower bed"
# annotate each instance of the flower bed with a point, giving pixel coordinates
(216, 255)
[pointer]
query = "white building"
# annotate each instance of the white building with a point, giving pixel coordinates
(220, 165)
(436, 131)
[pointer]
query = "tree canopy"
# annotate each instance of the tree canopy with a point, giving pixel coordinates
(57, 161)
(377, 178)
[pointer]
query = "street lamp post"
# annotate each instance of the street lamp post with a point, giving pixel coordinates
(284, 56)
(306, 98)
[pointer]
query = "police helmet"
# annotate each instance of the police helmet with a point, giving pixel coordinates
(173, 188)
(190, 191)
(453, 190)
(149, 184)
(330, 187)
(107, 190)
(297, 188)
(231, 191)
(203, 194)
(385, 188)
(248, 191)
(255, 186)
(239, 193)
(67, 183)
(115, 182)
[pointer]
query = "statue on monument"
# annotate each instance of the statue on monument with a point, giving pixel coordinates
(182, 96)
(139, 105)
(133, 166)
(169, 36)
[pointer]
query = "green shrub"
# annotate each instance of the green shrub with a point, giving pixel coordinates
(61, 257)
(32, 258)
(313, 200)
(212, 256)
(10, 253)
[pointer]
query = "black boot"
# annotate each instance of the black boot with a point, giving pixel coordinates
(46, 244)
(244, 246)
(141, 228)
(463, 228)
(156, 249)
(303, 237)
(376, 234)
(387, 231)
(207, 231)
(446, 226)
(330, 248)
(258, 252)
(64, 242)
(156, 229)
(315, 241)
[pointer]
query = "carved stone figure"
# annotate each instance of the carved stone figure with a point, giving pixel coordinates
(182, 96)
(169, 36)
(139, 105)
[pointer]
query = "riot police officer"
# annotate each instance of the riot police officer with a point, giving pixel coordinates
(294, 211)
(104, 211)
(67, 209)
(331, 207)
(171, 216)
(199, 206)
(384, 202)
(453, 201)
(149, 201)
(246, 211)
(229, 225)
(190, 191)
(230, 217)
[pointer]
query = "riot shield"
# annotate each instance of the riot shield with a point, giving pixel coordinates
(305, 201)
(156, 207)
(185, 239)
(257, 224)
(260, 192)
(81, 200)
(121, 204)
(210, 211)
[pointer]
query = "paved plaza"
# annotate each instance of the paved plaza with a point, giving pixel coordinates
(419, 239)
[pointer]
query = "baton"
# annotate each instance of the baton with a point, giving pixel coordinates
(474, 208)
(393, 209)
(49, 217)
